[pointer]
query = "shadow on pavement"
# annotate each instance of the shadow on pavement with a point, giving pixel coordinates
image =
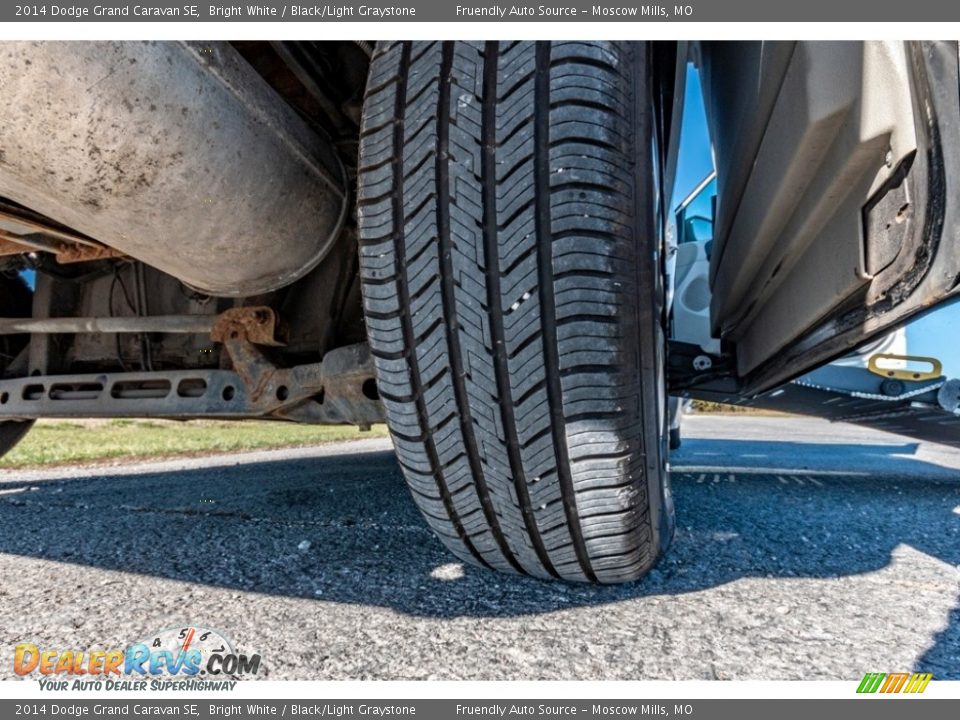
(240, 527)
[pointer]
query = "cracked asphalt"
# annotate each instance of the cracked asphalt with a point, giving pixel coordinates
(804, 550)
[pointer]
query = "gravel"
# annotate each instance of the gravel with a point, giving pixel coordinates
(803, 550)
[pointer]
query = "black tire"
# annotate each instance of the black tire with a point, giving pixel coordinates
(675, 439)
(12, 432)
(15, 301)
(510, 282)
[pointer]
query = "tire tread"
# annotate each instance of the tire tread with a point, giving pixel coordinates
(499, 248)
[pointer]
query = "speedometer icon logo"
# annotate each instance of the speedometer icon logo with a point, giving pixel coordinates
(190, 650)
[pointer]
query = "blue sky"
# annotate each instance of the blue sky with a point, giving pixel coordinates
(935, 334)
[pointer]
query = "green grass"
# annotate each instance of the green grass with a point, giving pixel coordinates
(76, 442)
(706, 406)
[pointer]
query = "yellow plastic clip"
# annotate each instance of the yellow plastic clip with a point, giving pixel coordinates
(936, 367)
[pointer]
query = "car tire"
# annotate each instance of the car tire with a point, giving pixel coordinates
(15, 301)
(12, 432)
(512, 294)
(675, 439)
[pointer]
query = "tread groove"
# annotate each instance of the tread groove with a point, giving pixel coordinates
(406, 322)
(449, 307)
(551, 360)
(494, 309)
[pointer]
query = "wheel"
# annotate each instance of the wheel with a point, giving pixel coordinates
(511, 290)
(12, 432)
(675, 441)
(675, 413)
(15, 301)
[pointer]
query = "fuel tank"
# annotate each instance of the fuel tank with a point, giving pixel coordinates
(177, 154)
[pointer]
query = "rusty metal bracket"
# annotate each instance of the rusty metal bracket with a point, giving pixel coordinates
(268, 386)
(258, 325)
(70, 254)
(349, 390)
(341, 388)
(22, 231)
(64, 253)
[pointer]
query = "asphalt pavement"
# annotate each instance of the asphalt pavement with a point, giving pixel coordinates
(804, 550)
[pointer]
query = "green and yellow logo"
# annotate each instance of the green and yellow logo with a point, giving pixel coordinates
(894, 682)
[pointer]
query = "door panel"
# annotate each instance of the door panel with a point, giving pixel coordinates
(835, 219)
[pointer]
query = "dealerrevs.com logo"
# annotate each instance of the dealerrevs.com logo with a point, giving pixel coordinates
(186, 658)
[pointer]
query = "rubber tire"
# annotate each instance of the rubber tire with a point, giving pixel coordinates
(675, 440)
(15, 301)
(12, 432)
(510, 280)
